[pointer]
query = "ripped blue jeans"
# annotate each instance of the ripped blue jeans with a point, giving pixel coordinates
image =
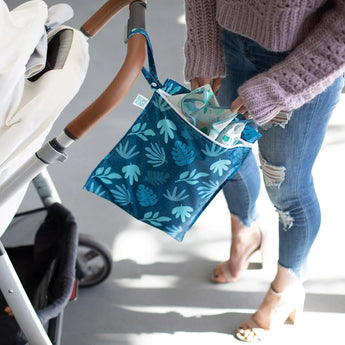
(288, 148)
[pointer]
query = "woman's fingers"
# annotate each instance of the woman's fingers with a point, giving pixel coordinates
(216, 85)
(238, 107)
(198, 82)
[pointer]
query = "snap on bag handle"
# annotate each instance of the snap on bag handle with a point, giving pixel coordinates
(123, 81)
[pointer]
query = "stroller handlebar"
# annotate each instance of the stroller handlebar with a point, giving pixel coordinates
(115, 92)
(123, 81)
(103, 16)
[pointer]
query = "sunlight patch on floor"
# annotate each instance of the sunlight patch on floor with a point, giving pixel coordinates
(148, 281)
(186, 311)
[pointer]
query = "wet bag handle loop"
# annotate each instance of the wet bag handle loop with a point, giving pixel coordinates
(151, 73)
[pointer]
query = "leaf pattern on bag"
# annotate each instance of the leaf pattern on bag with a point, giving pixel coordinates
(176, 232)
(156, 178)
(172, 89)
(156, 155)
(106, 176)
(132, 172)
(154, 218)
(189, 135)
(141, 131)
(167, 127)
(208, 189)
(175, 195)
(213, 150)
(146, 196)
(191, 177)
(123, 151)
(161, 104)
(220, 166)
(182, 154)
(182, 212)
(121, 195)
(96, 189)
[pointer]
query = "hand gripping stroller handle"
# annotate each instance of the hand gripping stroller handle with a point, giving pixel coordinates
(115, 92)
(103, 16)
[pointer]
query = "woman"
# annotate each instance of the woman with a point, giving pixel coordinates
(282, 64)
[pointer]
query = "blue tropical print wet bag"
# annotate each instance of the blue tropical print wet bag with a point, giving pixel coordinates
(165, 170)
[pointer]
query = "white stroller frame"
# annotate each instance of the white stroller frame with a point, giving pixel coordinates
(54, 151)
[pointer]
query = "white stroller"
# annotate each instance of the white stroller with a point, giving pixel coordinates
(38, 64)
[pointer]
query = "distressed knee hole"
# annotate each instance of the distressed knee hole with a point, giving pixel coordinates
(286, 219)
(280, 120)
(273, 175)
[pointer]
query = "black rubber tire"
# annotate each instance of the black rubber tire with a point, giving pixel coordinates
(94, 261)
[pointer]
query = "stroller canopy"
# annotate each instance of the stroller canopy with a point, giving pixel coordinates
(41, 70)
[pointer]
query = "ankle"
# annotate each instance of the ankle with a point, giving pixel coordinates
(284, 280)
(238, 228)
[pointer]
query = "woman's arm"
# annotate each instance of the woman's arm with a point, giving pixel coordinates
(203, 48)
(307, 71)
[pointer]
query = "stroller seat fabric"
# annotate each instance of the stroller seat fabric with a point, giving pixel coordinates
(46, 267)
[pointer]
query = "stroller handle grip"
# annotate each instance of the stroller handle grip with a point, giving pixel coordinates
(115, 92)
(103, 16)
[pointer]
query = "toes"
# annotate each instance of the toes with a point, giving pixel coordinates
(246, 334)
(218, 275)
(250, 332)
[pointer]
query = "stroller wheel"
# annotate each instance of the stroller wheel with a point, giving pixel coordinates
(94, 261)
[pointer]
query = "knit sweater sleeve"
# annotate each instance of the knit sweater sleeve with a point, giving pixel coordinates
(203, 48)
(307, 71)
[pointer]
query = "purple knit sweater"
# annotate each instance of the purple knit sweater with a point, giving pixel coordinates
(313, 29)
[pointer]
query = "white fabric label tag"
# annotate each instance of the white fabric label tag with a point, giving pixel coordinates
(140, 101)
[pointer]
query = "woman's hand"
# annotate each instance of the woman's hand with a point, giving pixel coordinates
(238, 107)
(198, 82)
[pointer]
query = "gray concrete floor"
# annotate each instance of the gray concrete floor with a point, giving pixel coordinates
(159, 291)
